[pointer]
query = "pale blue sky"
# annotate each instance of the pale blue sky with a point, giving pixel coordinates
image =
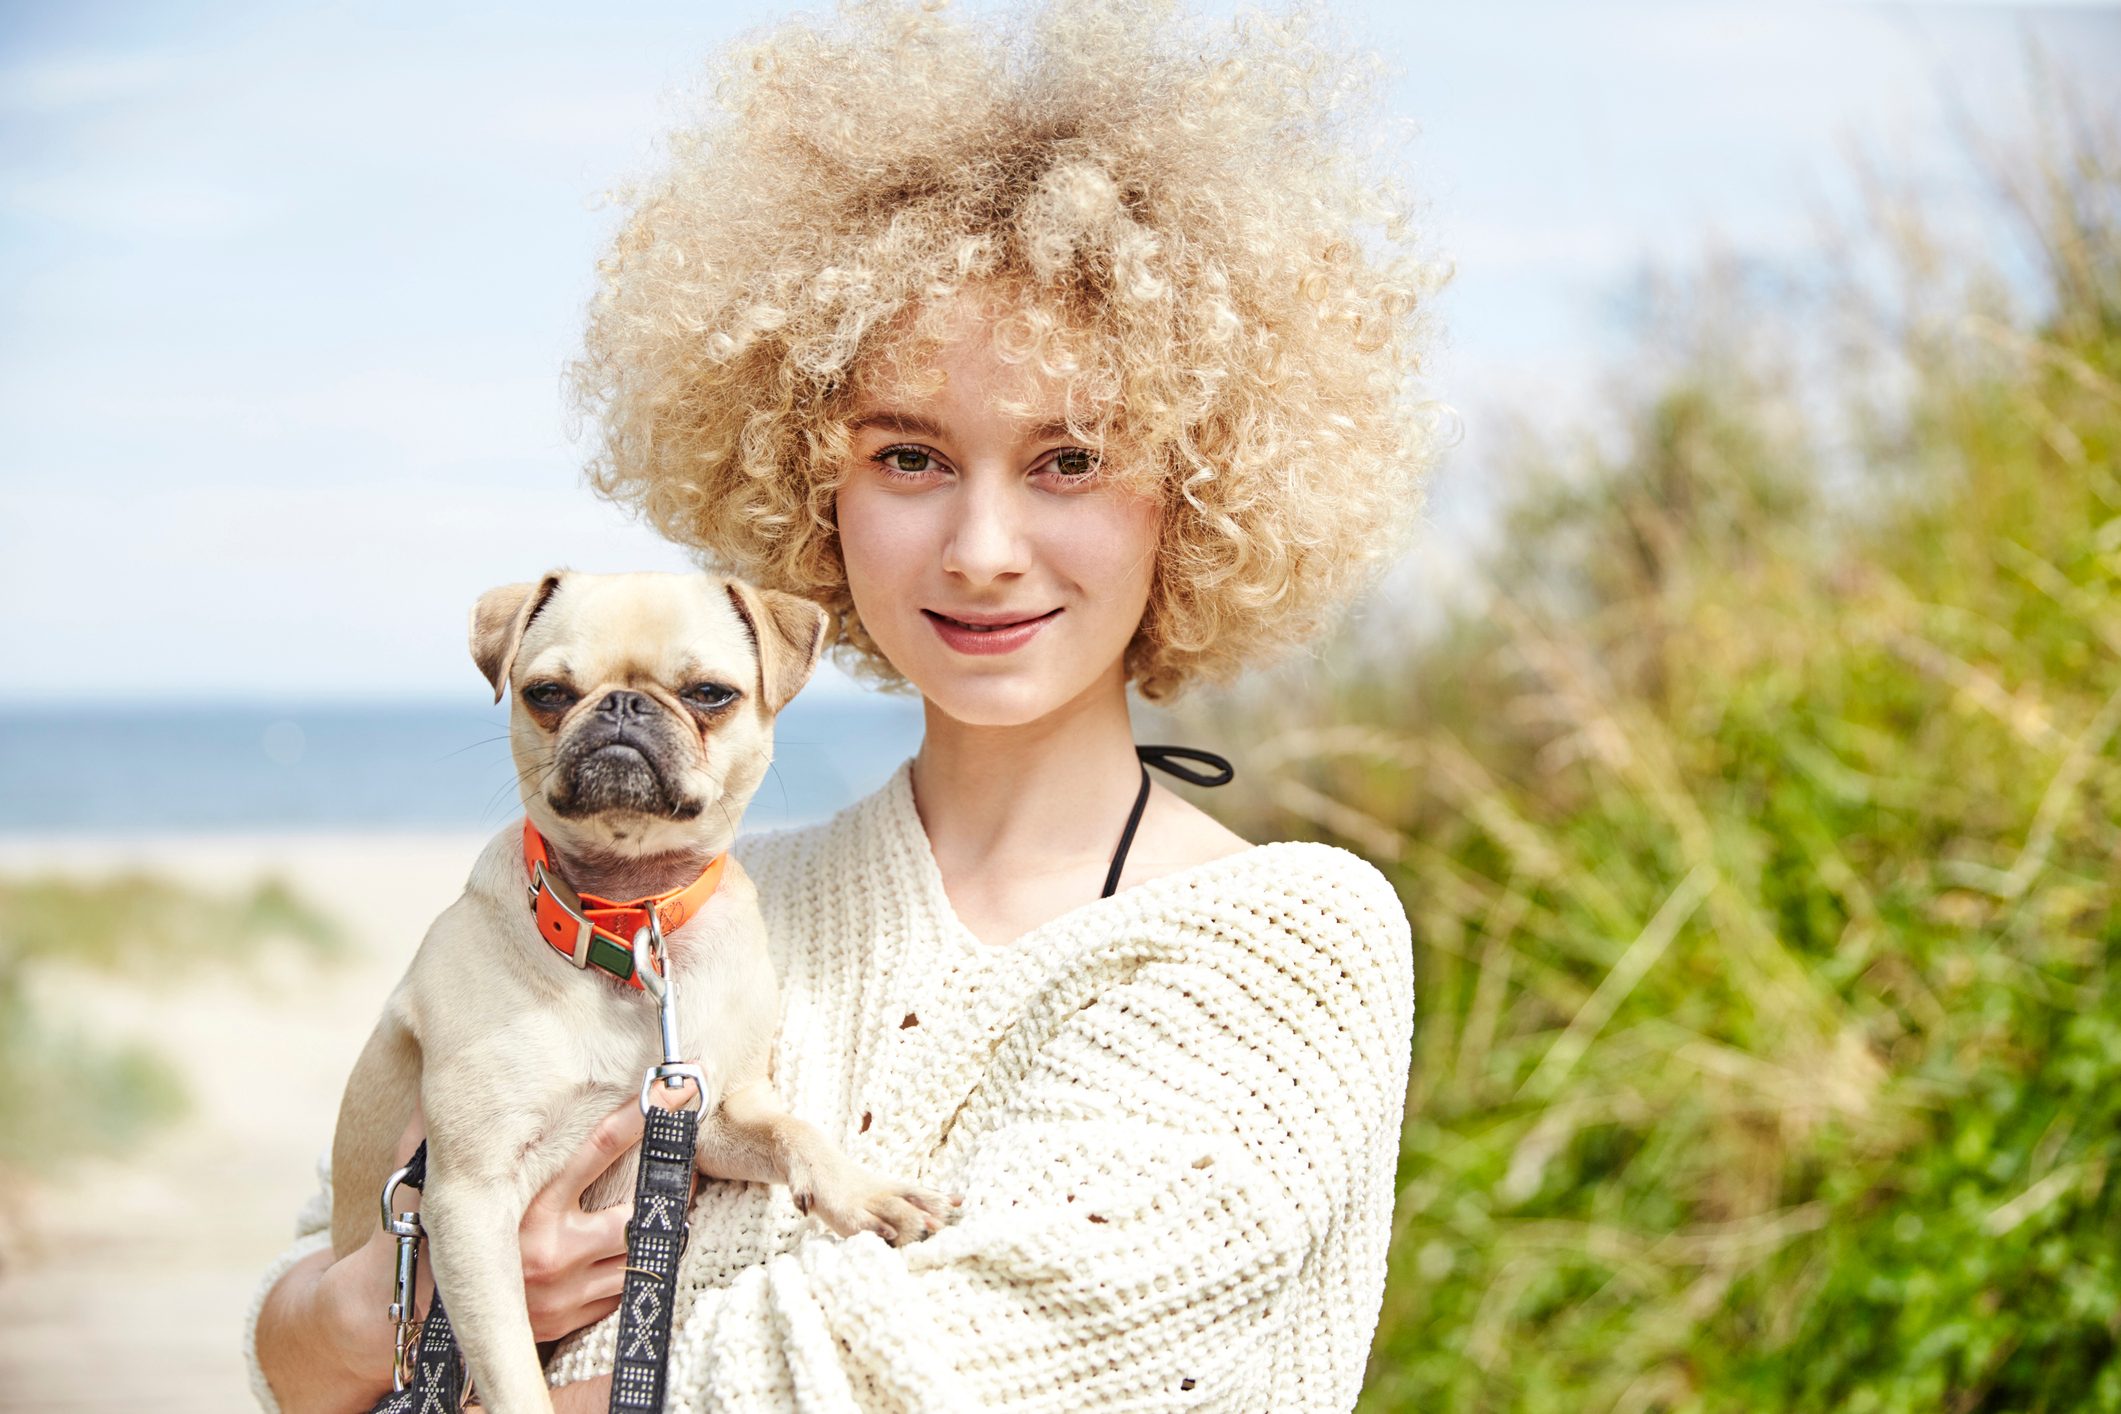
(285, 293)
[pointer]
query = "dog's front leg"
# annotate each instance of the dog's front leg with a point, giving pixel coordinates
(474, 1235)
(751, 1136)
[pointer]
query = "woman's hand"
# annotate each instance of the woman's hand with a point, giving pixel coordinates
(325, 1341)
(574, 1261)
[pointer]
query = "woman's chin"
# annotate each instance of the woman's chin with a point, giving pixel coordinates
(998, 699)
(995, 702)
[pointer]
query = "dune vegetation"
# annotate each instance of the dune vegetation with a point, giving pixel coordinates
(1760, 826)
(70, 1087)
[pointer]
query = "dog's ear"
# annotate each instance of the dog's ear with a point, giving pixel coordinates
(789, 632)
(498, 621)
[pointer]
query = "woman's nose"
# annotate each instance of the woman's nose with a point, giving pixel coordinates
(986, 538)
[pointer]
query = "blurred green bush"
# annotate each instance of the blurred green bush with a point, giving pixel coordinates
(1759, 832)
(66, 1089)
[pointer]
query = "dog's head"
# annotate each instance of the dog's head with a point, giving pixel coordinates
(644, 703)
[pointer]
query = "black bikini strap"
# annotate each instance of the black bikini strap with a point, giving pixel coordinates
(1126, 836)
(1167, 759)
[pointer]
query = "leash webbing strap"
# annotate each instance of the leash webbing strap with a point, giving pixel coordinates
(416, 1168)
(655, 1239)
(437, 1385)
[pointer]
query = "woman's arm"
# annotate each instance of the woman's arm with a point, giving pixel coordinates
(321, 1341)
(312, 1351)
(1147, 1208)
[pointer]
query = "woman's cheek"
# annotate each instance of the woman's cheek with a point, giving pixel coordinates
(884, 547)
(1116, 550)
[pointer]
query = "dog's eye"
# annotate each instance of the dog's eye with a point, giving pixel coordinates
(546, 694)
(710, 694)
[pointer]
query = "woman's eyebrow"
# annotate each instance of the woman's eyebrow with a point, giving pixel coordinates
(1055, 430)
(904, 423)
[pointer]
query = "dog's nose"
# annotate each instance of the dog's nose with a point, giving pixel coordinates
(624, 703)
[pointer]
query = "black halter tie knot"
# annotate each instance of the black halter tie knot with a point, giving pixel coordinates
(1170, 760)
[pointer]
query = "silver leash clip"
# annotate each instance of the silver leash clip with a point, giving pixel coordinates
(649, 953)
(406, 1228)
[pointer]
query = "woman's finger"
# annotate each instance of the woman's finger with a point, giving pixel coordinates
(614, 1135)
(606, 1280)
(582, 1396)
(610, 1228)
(586, 1314)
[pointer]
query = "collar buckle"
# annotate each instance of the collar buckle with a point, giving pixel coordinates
(570, 903)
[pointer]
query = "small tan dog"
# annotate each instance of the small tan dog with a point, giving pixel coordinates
(642, 723)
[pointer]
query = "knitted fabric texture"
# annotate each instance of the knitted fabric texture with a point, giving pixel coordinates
(1174, 1114)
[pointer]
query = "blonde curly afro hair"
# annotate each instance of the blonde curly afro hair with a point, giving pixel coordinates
(1193, 232)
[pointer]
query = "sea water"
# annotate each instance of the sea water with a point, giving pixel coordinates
(101, 768)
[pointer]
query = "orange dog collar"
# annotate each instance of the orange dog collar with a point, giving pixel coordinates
(598, 932)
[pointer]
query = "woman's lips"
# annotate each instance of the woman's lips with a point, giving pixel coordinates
(1000, 638)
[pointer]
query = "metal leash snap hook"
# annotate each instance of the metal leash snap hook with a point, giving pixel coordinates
(406, 1228)
(648, 951)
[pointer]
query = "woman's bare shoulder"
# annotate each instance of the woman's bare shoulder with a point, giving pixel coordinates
(1177, 834)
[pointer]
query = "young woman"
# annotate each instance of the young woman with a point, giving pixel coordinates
(1052, 355)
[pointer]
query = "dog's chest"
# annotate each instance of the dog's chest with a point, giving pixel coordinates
(607, 1036)
(613, 1042)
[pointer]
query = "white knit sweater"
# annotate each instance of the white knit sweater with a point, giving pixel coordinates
(1174, 1114)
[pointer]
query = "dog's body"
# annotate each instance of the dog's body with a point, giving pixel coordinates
(512, 1052)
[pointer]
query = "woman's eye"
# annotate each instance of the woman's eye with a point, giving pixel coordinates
(711, 694)
(907, 461)
(1073, 462)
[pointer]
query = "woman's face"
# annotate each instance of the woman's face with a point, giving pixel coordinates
(990, 561)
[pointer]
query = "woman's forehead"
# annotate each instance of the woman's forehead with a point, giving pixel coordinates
(916, 380)
(988, 349)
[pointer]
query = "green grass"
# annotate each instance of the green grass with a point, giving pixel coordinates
(1760, 838)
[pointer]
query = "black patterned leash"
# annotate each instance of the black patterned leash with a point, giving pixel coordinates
(662, 1195)
(428, 1375)
(655, 1239)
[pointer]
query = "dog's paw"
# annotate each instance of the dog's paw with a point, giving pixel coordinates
(859, 1201)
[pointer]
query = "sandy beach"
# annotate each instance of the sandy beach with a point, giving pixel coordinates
(150, 1317)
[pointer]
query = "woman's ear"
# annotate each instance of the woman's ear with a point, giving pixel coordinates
(789, 632)
(498, 622)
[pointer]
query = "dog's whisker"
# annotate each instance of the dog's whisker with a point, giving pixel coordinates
(483, 741)
(522, 773)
